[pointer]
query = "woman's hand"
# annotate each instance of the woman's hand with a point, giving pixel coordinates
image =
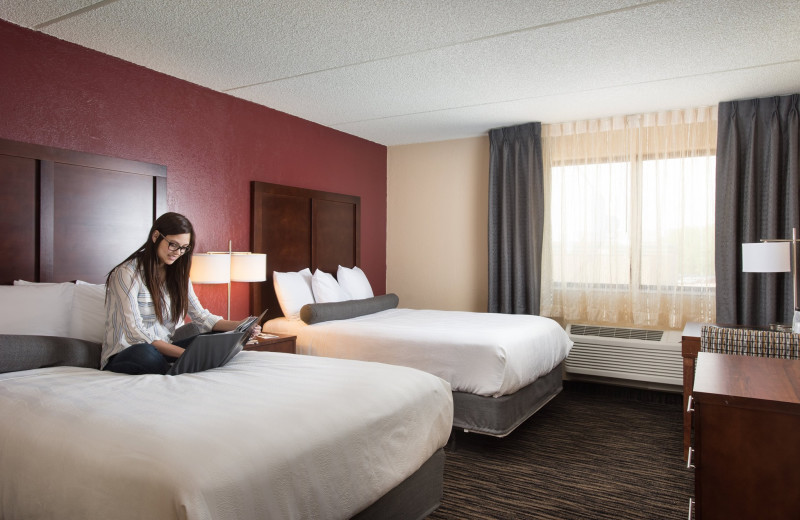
(226, 325)
(256, 331)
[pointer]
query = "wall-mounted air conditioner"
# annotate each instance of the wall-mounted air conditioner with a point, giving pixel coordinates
(624, 353)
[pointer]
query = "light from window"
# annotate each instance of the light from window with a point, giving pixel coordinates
(613, 226)
(677, 196)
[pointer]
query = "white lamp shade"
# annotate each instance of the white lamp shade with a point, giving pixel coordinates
(210, 268)
(766, 257)
(248, 267)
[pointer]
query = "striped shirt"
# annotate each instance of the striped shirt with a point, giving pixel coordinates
(131, 317)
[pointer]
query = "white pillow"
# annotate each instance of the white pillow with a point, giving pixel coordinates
(39, 309)
(354, 282)
(326, 289)
(89, 312)
(293, 291)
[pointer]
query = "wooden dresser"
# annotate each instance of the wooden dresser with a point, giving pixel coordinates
(690, 346)
(747, 437)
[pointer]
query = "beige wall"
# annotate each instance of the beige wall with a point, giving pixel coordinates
(437, 211)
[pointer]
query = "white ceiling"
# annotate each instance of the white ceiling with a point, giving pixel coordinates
(410, 71)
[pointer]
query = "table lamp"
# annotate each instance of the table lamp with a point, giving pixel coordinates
(775, 256)
(222, 267)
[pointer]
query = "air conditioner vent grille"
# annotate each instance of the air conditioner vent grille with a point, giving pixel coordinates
(616, 332)
(625, 353)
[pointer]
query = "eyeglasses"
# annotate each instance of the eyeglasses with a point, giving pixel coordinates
(174, 246)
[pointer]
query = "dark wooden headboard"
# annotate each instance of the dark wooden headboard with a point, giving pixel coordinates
(299, 228)
(70, 215)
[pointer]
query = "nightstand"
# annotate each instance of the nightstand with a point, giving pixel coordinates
(280, 343)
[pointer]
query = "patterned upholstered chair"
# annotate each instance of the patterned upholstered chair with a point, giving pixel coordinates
(750, 342)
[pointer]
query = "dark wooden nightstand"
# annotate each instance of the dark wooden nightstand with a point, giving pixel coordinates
(280, 343)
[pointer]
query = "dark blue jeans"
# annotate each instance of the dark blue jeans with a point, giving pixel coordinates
(143, 358)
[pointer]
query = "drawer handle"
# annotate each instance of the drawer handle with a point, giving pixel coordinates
(689, 464)
(691, 509)
(689, 405)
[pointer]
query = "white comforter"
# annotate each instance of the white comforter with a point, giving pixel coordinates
(267, 436)
(481, 353)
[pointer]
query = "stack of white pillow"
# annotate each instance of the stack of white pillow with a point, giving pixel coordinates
(73, 310)
(296, 289)
(77, 310)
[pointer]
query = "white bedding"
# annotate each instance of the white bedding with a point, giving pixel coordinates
(267, 436)
(480, 353)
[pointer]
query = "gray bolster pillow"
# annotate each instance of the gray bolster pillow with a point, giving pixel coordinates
(318, 312)
(22, 352)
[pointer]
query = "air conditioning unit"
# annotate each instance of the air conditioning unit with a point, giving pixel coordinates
(634, 354)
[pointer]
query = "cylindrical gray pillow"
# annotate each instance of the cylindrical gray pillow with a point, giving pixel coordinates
(318, 312)
(21, 352)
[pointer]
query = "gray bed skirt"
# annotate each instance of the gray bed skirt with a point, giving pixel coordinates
(499, 416)
(415, 498)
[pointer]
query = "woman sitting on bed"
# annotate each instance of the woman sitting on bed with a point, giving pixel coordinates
(147, 298)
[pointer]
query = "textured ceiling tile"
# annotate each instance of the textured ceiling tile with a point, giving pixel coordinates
(519, 66)
(663, 95)
(442, 68)
(30, 13)
(224, 45)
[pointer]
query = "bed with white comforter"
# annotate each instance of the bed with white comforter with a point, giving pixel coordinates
(267, 436)
(486, 354)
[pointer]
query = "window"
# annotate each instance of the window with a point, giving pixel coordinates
(665, 229)
(629, 227)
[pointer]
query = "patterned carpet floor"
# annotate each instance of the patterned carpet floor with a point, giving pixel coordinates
(594, 452)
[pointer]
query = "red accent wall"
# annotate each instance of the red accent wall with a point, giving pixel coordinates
(59, 94)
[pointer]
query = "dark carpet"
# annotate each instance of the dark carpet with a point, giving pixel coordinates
(594, 452)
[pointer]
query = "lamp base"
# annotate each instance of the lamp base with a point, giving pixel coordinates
(780, 327)
(796, 322)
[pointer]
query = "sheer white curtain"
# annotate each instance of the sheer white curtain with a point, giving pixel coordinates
(629, 223)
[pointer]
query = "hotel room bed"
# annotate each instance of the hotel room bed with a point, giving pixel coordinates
(267, 436)
(479, 353)
(502, 368)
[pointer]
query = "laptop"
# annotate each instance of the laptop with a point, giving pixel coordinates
(214, 350)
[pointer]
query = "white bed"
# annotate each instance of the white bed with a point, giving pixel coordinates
(502, 368)
(499, 379)
(267, 436)
(479, 353)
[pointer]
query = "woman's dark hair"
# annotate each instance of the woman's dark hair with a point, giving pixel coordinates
(176, 276)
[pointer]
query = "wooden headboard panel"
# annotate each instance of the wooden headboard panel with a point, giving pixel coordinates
(299, 228)
(70, 215)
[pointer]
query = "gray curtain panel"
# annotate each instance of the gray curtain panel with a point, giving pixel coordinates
(516, 218)
(758, 146)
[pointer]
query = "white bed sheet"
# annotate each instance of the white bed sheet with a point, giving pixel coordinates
(486, 354)
(267, 436)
